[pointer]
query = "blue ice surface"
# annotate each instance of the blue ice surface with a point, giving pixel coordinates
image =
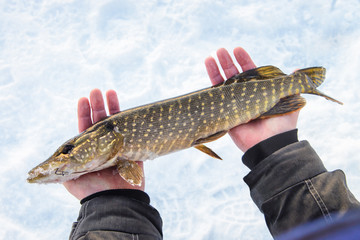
(54, 52)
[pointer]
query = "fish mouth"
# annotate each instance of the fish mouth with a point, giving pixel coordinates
(56, 176)
(60, 172)
(41, 176)
(35, 178)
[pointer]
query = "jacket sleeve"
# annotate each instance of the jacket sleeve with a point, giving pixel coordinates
(290, 185)
(117, 214)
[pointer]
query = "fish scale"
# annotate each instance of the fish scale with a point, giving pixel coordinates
(168, 126)
(156, 129)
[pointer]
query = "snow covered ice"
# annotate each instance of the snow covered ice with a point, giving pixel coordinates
(54, 52)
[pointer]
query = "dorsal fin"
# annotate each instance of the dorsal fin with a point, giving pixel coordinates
(260, 73)
(267, 72)
(316, 74)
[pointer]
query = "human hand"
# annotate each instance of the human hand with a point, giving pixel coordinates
(108, 178)
(247, 135)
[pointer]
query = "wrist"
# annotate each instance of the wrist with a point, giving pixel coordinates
(247, 135)
(265, 148)
(129, 193)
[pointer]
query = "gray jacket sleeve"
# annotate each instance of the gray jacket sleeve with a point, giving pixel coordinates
(291, 186)
(117, 214)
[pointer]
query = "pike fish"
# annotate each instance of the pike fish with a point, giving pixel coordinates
(190, 120)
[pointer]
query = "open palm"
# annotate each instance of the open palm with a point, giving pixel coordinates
(88, 114)
(247, 135)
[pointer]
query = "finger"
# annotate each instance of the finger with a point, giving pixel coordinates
(243, 58)
(84, 114)
(112, 102)
(213, 71)
(97, 105)
(226, 63)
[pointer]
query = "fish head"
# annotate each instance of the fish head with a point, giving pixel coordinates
(90, 151)
(56, 167)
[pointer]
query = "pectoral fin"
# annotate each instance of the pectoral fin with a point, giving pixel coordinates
(198, 144)
(130, 172)
(207, 150)
(286, 105)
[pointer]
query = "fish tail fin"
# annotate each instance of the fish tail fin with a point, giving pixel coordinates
(317, 92)
(311, 87)
(316, 74)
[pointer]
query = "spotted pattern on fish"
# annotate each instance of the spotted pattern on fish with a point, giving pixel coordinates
(156, 129)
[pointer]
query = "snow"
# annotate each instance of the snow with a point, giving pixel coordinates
(54, 52)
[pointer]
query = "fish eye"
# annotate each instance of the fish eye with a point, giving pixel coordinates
(109, 126)
(67, 148)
